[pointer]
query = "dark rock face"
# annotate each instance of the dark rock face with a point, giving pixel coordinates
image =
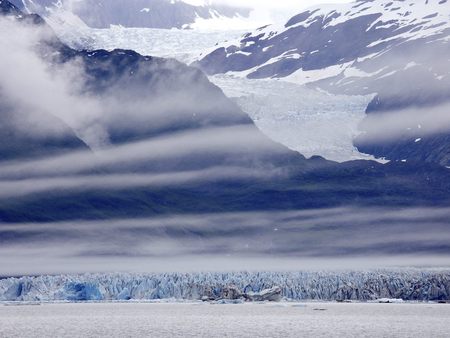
(163, 14)
(19, 143)
(7, 8)
(385, 47)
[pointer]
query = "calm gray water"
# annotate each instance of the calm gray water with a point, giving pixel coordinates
(242, 320)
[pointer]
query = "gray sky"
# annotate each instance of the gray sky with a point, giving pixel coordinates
(270, 11)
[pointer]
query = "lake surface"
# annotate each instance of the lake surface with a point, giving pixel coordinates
(218, 320)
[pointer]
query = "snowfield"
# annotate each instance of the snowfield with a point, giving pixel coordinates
(184, 45)
(242, 320)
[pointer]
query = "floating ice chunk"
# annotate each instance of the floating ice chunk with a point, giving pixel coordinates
(389, 300)
(271, 295)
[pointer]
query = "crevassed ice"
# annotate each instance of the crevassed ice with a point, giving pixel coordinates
(414, 284)
(309, 121)
(183, 45)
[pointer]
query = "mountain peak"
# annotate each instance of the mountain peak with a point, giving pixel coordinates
(164, 14)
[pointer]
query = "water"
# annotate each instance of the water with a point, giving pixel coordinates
(212, 320)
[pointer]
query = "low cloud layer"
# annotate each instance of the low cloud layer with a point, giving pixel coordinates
(24, 187)
(173, 146)
(314, 239)
(413, 121)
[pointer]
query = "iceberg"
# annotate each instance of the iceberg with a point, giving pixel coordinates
(271, 295)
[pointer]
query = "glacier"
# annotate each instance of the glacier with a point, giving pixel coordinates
(407, 284)
(307, 120)
(184, 45)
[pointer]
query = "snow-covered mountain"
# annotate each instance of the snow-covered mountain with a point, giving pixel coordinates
(350, 45)
(165, 14)
(396, 49)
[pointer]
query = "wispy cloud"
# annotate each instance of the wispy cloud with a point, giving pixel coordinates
(23, 187)
(172, 146)
(413, 121)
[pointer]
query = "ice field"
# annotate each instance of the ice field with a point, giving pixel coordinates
(183, 45)
(404, 284)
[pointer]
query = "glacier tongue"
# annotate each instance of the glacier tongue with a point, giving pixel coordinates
(413, 285)
(309, 121)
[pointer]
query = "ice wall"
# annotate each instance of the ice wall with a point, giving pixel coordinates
(420, 285)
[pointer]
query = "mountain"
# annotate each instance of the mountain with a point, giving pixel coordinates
(165, 14)
(396, 49)
(165, 140)
(9, 9)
